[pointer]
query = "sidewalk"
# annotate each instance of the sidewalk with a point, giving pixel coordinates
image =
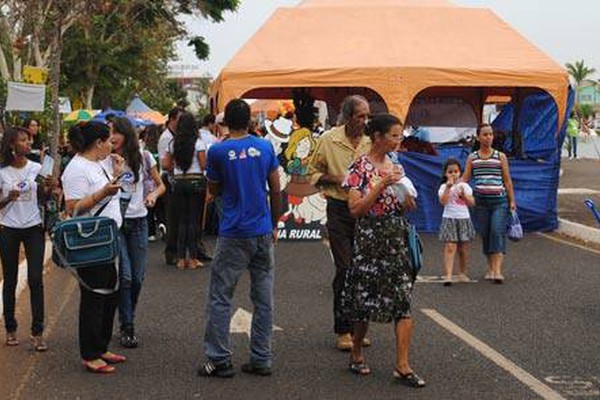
(580, 180)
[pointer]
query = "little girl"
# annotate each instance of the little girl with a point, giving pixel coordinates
(456, 230)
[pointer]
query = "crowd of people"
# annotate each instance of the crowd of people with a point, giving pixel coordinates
(161, 183)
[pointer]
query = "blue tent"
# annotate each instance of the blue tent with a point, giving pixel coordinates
(121, 114)
(535, 172)
(137, 106)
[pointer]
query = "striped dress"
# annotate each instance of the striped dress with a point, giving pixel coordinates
(487, 176)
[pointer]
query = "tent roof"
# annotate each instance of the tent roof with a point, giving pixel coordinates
(395, 51)
(137, 105)
(375, 3)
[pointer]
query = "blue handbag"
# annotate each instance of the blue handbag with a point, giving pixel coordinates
(84, 242)
(415, 250)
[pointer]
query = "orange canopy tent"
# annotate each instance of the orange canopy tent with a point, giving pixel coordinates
(393, 50)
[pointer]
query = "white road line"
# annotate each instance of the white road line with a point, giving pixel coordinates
(22, 279)
(568, 243)
(525, 377)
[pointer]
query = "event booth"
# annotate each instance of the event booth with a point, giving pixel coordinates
(437, 67)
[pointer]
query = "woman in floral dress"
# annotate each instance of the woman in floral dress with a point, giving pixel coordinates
(379, 283)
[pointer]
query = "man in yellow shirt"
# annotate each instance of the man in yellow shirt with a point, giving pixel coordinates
(335, 151)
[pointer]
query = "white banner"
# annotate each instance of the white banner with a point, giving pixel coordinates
(25, 97)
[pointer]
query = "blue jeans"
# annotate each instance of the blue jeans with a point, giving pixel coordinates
(132, 267)
(492, 218)
(232, 257)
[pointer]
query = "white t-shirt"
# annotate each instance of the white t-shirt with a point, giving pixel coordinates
(163, 144)
(195, 166)
(208, 138)
(456, 207)
(83, 177)
(22, 212)
(136, 208)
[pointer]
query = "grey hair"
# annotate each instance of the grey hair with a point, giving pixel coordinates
(349, 105)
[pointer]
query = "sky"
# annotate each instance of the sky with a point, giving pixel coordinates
(565, 30)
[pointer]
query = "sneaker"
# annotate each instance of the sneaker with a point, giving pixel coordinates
(463, 278)
(343, 342)
(212, 370)
(255, 369)
(11, 339)
(162, 231)
(128, 339)
(489, 276)
(447, 281)
(152, 238)
(499, 279)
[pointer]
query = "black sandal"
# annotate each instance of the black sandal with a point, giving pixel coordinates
(359, 367)
(411, 379)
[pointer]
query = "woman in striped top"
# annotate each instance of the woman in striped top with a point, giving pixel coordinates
(494, 195)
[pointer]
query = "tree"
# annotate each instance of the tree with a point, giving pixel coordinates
(579, 71)
(127, 48)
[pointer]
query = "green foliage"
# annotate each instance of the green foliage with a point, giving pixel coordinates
(579, 71)
(201, 48)
(586, 111)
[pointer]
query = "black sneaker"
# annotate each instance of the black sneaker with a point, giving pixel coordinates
(254, 369)
(128, 339)
(212, 370)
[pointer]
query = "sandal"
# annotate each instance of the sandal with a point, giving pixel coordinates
(359, 367)
(411, 379)
(195, 264)
(113, 358)
(39, 344)
(98, 369)
(11, 339)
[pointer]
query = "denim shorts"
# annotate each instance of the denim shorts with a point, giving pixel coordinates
(492, 219)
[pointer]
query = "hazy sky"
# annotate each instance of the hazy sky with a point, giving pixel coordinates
(565, 30)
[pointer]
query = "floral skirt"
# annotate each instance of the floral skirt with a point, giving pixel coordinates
(379, 283)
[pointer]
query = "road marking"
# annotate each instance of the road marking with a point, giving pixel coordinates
(440, 279)
(563, 241)
(22, 275)
(241, 322)
(577, 191)
(525, 377)
(576, 386)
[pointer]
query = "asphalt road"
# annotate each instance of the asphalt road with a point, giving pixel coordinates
(541, 328)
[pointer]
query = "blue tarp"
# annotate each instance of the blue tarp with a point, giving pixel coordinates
(535, 177)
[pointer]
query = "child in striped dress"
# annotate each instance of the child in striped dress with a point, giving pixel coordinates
(456, 229)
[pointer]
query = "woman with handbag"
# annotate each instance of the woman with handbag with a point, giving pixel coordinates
(494, 196)
(139, 167)
(90, 186)
(21, 222)
(186, 157)
(379, 283)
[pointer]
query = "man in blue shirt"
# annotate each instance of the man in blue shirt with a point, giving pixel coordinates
(239, 171)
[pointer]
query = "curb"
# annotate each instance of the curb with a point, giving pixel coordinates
(578, 231)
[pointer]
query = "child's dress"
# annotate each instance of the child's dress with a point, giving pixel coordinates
(456, 223)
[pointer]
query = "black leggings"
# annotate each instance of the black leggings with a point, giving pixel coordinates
(188, 198)
(34, 242)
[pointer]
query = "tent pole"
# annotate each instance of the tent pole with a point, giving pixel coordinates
(516, 133)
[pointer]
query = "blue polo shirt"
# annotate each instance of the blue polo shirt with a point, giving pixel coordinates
(241, 167)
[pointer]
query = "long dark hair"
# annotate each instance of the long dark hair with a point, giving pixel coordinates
(450, 161)
(131, 146)
(184, 144)
(150, 137)
(7, 147)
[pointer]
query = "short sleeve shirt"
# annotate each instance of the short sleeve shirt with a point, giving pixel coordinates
(22, 212)
(363, 176)
(456, 207)
(242, 167)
